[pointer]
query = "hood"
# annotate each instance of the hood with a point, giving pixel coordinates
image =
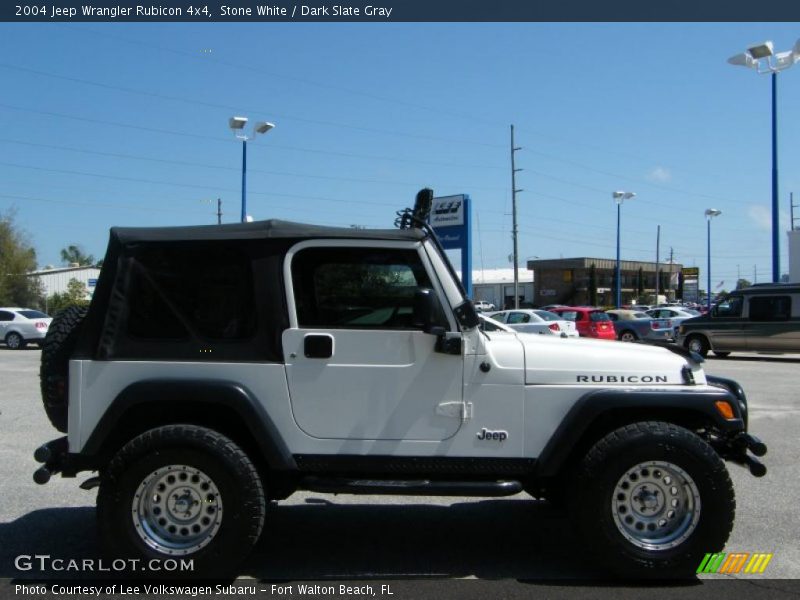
(581, 361)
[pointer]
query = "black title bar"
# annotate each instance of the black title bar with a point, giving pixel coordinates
(396, 11)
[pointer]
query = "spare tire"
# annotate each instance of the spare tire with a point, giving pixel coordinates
(54, 370)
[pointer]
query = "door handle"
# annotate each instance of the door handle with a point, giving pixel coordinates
(318, 345)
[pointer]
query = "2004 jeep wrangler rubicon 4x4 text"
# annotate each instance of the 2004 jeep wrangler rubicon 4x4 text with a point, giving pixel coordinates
(220, 367)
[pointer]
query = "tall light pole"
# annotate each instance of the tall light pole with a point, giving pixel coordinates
(763, 59)
(237, 126)
(619, 198)
(710, 214)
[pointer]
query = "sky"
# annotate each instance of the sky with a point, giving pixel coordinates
(112, 124)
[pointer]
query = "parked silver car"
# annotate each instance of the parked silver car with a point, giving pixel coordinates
(633, 325)
(18, 326)
(536, 321)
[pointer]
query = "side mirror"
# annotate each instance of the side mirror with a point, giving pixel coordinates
(426, 306)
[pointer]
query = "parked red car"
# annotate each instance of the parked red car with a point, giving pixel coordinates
(590, 321)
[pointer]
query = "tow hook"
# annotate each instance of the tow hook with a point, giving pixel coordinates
(737, 452)
(50, 454)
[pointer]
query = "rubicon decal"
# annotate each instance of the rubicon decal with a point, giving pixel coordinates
(621, 378)
(734, 562)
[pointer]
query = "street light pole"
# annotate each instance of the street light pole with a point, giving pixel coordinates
(764, 59)
(619, 197)
(244, 179)
(710, 214)
(237, 126)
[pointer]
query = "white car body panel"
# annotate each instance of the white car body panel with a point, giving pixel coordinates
(378, 384)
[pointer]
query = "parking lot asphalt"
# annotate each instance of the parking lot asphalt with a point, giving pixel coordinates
(321, 537)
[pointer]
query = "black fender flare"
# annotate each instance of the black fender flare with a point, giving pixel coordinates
(597, 403)
(228, 394)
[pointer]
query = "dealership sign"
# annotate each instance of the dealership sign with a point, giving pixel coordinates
(450, 218)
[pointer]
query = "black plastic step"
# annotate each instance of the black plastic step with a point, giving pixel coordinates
(410, 487)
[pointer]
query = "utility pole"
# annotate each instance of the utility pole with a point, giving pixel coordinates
(514, 231)
(671, 264)
(792, 206)
(219, 211)
(658, 247)
(755, 275)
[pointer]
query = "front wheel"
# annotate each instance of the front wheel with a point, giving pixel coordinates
(627, 336)
(652, 499)
(181, 492)
(697, 343)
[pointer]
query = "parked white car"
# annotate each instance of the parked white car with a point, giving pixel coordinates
(18, 326)
(536, 321)
(483, 305)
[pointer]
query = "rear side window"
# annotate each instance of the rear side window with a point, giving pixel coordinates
(547, 315)
(33, 314)
(598, 316)
(357, 288)
(518, 318)
(770, 308)
(6, 316)
(180, 293)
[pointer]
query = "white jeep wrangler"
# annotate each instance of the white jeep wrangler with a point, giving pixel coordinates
(219, 367)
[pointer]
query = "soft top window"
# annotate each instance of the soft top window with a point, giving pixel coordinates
(177, 293)
(358, 288)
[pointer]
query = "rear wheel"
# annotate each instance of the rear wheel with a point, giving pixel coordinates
(697, 343)
(15, 341)
(182, 491)
(652, 499)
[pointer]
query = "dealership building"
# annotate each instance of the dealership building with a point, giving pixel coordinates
(567, 280)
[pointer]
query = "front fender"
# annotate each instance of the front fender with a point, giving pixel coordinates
(593, 406)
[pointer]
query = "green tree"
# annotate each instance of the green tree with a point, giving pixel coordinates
(17, 259)
(74, 296)
(742, 283)
(75, 254)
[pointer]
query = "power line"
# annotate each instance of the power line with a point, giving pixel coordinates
(229, 107)
(294, 78)
(271, 145)
(224, 168)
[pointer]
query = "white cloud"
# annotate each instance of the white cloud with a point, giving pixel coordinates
(761, 216)
(660, 175)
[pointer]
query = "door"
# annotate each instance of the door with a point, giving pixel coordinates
(6, 318)
(727, 327)
(769, 325)
(356, 366)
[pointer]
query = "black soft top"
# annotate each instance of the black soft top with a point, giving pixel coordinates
(203, 292)
(271, 229)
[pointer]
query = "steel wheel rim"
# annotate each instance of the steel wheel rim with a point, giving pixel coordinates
(177, 510)
(695, 345)
(656, 505)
